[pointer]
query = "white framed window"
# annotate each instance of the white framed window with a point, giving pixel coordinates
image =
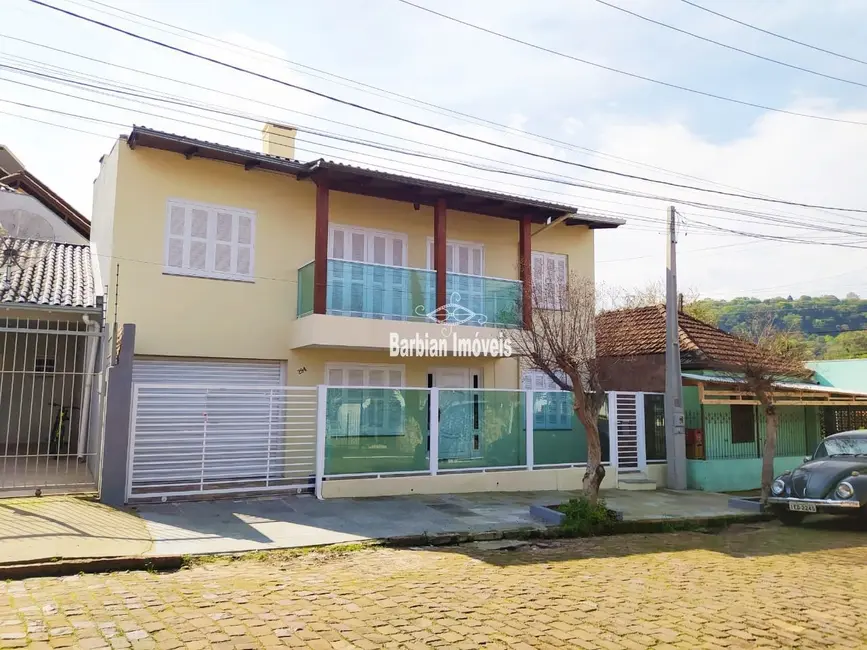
(44, 365)
(552, 406)
(209, 241)
(356, 244)
(366, 275)
(372, 403)
(461, 257)
(550, 276)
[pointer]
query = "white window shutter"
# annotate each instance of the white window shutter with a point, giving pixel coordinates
(336, 245)
(397, 250)
(209, 241)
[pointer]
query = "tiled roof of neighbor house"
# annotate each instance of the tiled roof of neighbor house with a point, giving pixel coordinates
(54, 275)
(374, 182)
(641, 331)
(29, 184)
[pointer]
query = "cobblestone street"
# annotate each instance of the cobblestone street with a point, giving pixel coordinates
(747, 587)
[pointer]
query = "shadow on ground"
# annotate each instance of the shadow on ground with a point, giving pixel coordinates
(759, 539)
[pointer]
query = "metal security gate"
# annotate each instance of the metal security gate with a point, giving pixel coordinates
(208, 439)
(626, 416)
(50, 406)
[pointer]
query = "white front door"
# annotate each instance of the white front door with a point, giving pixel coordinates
(459, 412)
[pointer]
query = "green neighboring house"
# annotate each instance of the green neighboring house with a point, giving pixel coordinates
(841, 373)
(725, 427)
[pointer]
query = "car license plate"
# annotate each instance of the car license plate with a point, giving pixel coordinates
(802, 507)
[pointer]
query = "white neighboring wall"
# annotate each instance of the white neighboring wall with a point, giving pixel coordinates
(63, 232)
(102, 214)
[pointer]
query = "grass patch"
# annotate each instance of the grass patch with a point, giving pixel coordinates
(583, 518)
(281, 555)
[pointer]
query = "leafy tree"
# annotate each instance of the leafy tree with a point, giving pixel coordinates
(847, 345)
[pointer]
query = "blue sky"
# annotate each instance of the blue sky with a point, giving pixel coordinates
(387, 44)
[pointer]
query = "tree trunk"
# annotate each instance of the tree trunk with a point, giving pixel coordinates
(769, 451)
(595, 472)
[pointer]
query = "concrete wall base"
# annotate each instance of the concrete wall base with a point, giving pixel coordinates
(733, 475)
(555, 480)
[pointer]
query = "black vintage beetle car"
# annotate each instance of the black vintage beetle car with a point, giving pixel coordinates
(832, 481)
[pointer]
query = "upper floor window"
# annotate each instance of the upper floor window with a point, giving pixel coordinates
(550, 277)
(209, 241)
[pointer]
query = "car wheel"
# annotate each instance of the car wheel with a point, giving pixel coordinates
(789, 518)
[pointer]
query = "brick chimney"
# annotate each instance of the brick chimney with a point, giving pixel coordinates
(279, 140)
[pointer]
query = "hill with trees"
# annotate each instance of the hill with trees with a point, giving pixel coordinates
(831, 327)
(827, 326)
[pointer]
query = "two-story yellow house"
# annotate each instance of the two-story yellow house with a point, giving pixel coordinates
(246, 268)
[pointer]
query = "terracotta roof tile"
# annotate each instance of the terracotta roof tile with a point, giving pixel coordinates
(641, 331)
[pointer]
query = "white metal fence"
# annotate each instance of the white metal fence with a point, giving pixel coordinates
(50, 407)
(210, 439)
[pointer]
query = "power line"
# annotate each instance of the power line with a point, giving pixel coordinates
(440, 129)
(364, 87)
(770, 218)
(731, 47)
(634, 75)
(774, 34)
(224, 111)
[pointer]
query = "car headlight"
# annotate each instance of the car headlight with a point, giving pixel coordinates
(845, 490)
(778, 486)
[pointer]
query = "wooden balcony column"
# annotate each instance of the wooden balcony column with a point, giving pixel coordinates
(439, 258)
(320, 247)
(525, 261)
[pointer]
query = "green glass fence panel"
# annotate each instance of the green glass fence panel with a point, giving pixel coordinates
(558, 436)
(483, 301)
(654, 426)
(305, 290)
(480, 428)
(375, 430)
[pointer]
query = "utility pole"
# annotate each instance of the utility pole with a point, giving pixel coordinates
(675, 427)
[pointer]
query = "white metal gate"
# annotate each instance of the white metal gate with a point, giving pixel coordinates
(208, 439)
(50, 406)
(626, 416)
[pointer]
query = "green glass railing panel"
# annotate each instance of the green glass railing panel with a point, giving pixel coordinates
(305, 290)
(397, 293)
(481, 429)
(558, 435)
(376, 430)
(378, 291)
(490, 302)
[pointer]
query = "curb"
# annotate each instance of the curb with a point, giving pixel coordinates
(67, 567)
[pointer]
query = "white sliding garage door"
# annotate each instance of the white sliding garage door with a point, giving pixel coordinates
(215, 426)
(211, 371)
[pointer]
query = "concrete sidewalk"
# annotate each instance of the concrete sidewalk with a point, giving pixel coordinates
(68, 527)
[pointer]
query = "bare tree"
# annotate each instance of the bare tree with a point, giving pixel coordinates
(766, 356)
(560, 340)
(653, 293)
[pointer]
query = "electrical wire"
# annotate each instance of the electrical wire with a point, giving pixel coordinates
(771, 218)
(730, 47)
(417, 123)
(774, 34)
(634, 75)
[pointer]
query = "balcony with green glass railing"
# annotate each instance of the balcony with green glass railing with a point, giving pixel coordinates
(382, 292)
